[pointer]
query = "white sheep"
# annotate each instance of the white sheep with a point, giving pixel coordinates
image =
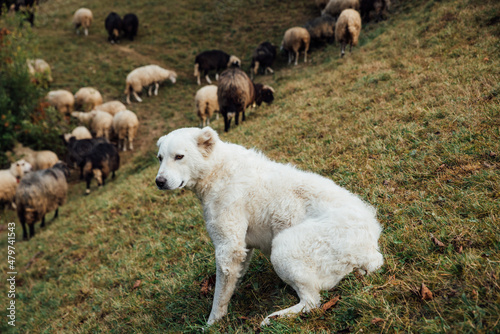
(100, 122)
(83, 18)
(294, 39)
(38, 159)
(206, 104)
(9, 179)
(39, 66)
(88, 98)
(125, 124)
(80, 132)
(147, 76)
(62, 100)
(347, 29)
(112, 107)
(335, 7)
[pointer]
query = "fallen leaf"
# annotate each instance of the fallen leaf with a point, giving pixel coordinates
(328, 305)
(207, 285)
(436, 241)
(136, 284)
(460, 250)
(425, 293)
(474, 294)
(243, 318)
(385, 183)
(377, 320)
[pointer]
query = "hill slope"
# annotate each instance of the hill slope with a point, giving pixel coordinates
(409, 121)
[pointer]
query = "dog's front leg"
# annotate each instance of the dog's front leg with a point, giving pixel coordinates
(230, 265)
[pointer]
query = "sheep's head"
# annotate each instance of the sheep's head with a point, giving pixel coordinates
(263, 93)
(173, 76)
(234, 62)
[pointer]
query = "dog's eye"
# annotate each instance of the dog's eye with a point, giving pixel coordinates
(160, 158)
(179, 157)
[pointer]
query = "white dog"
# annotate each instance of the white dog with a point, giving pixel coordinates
(314, 231)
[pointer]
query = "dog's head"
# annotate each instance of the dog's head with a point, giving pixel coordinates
(183, 155)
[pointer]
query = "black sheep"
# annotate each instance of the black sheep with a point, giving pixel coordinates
(78, 149)
(213, 60)
(102, 160)
(263, 57)
(113, 25)
(130, 25)
(321, 29)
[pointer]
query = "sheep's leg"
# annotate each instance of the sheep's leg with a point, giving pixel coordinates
(198, 79)
(208, 79)
(87, 191)
(43, 222)
(216, 76)
(305, 53)
(342, 49)
(289, 58)
(32, 230)
(23, 224)
(128, 98)
(297, 54)
(157, 85)
(86, 32)
(243, 116)
(56, 214)
(227, 122)
(130, 146)
(137, 96)
(113, 174)
(237, 118)
(150, 89)
(350, 47)
(269, 69)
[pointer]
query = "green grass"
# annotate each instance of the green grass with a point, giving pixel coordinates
(409, 121)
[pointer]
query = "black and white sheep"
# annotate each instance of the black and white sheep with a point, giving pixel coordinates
(79, 148)
(335, 7)
(263, 57)
(39, 193)
(213, 60)
(236, 92)
(206, 104)
(321, 29)
(294, 40)
(9, 180)
(347, 29)
(102, 160)
(114, 26)
(83, 18)
(130, 26)
(147, 76)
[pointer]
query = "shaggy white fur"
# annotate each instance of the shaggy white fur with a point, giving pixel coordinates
(314, 231)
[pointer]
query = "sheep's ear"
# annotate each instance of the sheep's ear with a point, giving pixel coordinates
(160, 141)
(206, 141)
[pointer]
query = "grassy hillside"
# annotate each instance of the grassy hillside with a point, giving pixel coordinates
(409, 121)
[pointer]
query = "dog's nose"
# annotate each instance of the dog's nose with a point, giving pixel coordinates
(161, 181)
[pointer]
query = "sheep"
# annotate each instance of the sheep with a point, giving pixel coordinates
(9, 179)
(206, 104)
(335, 7)
(102, 160)
(88, 98)
(130, 25)
(147, 76)
(38, 159)
(294, 39)
(41, 67)
(321, 4)
(377, 7)
(213, 60)
(264, 56)
(80, 132)
(111, 107)
(321, 29)
(236, 92)
(347, 29)
(62, 100)
(83, 18)
(125, 124)
(39, 193)
(113, 25)
(79, 148)
(100, 122)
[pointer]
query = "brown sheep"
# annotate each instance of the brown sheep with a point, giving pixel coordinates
(347, 29)
(295, 39)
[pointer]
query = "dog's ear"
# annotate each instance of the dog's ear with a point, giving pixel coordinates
(206, 141)
(160, 141)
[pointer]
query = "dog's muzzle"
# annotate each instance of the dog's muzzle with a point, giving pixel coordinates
(161, 182)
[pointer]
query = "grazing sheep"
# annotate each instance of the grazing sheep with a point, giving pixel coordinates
(125, 124)
(80, 132)
(62, 100)
(147, 76)
(100, 122)
(41, 67)
(263, 56)
(335, 7)
(377, 8)
(295, 39)
(236, 92)
(206, 104)
(82, 18)
(37, 159)
(78, 149)
(347, 29)
(213, 60)
(9, 179)
(321, 29)
(39, 193)
(130, 26)
(88, 98)
(102, 160)
(113, 25)
(111, 107)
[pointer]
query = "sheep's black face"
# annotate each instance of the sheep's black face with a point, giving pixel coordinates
(267, 96)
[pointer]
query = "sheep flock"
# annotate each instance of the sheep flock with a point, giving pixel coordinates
(101, 127)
